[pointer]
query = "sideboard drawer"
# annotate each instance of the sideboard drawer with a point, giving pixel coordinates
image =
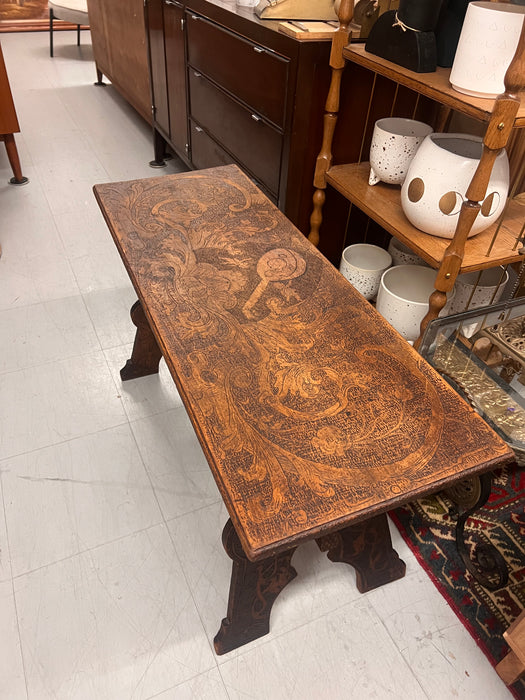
(254, 74)
(252, 142)
(205, 152)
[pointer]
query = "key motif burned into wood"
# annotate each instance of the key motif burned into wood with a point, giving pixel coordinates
(277, 265)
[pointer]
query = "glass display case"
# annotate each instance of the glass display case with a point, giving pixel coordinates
(481, 353)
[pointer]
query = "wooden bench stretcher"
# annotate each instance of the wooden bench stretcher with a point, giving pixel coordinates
(315, 416)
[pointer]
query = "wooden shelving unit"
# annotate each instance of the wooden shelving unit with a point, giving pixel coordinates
(382, 203)
(502, 243)
(436, 85)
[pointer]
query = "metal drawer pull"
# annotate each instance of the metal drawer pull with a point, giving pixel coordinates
(258, 49)
(197, 74)
(198, 129)
(256, 118)
(172, 2)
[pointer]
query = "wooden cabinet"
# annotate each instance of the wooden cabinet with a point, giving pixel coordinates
(246, 94)
(498, 245)
(239, 130)
(255, 74)
(238, 98)
(157, 58)
(119, 47)
(166, 38)
(225, 87)
(176, 73)
(8, 118)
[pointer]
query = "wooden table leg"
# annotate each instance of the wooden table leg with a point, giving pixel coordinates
(14, 161)
(254, 588)
(367, 546)
(146, 353)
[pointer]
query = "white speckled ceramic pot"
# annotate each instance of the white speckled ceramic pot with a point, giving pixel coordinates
(403, 255)
(394, 144)
(363, 264)
(403, 297)
(473, 290)
(437, 181)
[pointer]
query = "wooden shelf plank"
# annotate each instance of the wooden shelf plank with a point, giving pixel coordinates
(434, 85)
(383, 204)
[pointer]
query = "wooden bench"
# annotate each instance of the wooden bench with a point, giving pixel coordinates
(315, 416)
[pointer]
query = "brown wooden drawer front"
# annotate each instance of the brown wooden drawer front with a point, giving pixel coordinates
(252, 73)
(253, 143)
(206, 153)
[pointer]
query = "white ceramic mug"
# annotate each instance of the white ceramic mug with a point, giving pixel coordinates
(403, 298)
(394, 143)
(362, 265)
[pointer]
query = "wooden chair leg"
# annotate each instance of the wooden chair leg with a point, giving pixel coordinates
(78, 34)
(51, 33)
(14, 161)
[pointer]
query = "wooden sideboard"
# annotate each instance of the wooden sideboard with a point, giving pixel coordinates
(118, 34)
(225, 88)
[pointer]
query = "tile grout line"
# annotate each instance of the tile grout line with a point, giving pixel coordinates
(166, 521)
(20, 646)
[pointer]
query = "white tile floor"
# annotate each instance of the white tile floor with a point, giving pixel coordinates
(113, 580)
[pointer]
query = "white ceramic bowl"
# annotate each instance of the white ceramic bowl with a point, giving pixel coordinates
(403, 297)
(403, 255)
(362, 265)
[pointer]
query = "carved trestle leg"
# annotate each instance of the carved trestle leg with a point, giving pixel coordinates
(367, 547)
(146, 353)
(254, 588)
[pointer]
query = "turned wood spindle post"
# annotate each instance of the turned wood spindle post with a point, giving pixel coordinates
(324, 159)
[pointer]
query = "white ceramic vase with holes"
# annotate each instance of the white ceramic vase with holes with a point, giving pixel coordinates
(394, 143)
(437, 181)
(487, 44)
(403, 255)
(362, 265)
(403, 298)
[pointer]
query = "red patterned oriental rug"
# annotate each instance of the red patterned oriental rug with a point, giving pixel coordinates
(429, 530)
